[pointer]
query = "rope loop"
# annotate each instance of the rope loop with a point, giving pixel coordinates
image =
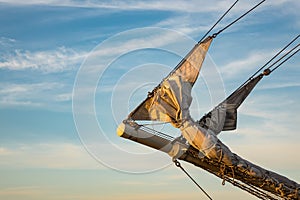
(177, 163)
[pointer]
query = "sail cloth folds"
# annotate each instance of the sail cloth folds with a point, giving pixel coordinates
(170, 100)
(224, 116)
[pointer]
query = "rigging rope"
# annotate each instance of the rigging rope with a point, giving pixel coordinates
(157, 123)
(155, 132)
(285, 60)
(223, 29)
(215, 34)
(278, 53)
(279, 59)
(177, 163)
(275, 56)
(218, 21)
(252, 190)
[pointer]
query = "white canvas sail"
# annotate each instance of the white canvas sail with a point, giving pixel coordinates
(170, 101)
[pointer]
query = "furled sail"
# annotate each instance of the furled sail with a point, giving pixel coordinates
(224, 116)
(170, 100)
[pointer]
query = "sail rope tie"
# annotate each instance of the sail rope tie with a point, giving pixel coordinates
(246, 13)
(177, 164)
(232, 170)
(222, 173)
(218, 21)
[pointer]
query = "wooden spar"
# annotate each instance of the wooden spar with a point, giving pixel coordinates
(132, 131)
(261, 186)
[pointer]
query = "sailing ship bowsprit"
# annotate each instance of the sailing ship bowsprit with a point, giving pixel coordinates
(198, 144)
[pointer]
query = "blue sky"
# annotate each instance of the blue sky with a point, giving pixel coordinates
(45, 44)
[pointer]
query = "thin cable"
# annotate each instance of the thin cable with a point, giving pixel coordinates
(214, 35)
(220, 31)
(177, 163)
(179, 64)
(287, 53)
(275, 56)
(218, 21)
(284, 60)
(158, 123)
(267, 63)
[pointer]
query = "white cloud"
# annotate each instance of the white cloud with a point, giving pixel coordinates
(57, 60)
(38, 94)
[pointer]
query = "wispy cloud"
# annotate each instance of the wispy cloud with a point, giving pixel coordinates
(4, 41)
(47, 155)
(62, 155)
(245, 65)
(34, 95)
(165, 5)
(21, 192)
(51, 61)
(277, 85)
(139, 39)
(139, 183)
(5, 151)
(264, 116)
(186, 24)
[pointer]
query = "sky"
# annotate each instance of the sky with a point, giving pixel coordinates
(71, 70)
